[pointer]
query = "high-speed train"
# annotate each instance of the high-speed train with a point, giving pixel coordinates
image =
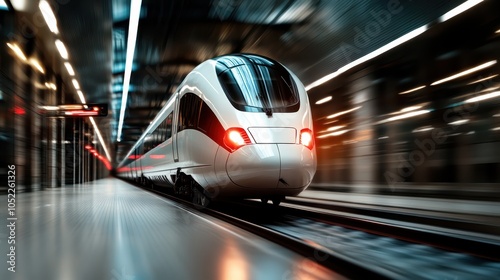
(238, 126)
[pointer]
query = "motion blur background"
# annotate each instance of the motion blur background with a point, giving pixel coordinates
(404, 94)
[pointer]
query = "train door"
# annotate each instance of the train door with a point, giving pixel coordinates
(175, 128)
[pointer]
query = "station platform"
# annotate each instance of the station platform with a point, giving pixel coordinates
(109, 229)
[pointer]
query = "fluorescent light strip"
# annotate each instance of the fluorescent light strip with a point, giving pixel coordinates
(483, 79)
(411, 108)
(49, 16)
(19, 53)
(483, 97)
(459, 122)
(135, 11)
(3, 5)
(498, 31)
(62, 49)
(405, 116)
(101, 140)
(336, 133)
(412, 90)
(76, 84)
(37, 65)
(466, 72)
(323, 100)
(80, 95)
(460, 9)
(343, 112)
(369, 56)
(71, 72)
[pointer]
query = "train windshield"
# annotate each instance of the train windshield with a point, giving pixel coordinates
(256, 84)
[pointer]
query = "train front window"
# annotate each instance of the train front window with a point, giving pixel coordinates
(256, 84)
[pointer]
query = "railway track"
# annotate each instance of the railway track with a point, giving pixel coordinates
(357, 247)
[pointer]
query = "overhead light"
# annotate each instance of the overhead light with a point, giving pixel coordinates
(411, 108)
(71, 72)
(50, 86)
(343, 112)
(135, 11)
(369, 56)
(459, 9)
(49, 16)
(101, 140)
(498, 31)
(76, 84)
(405, 116)
(337, 127)
(80, 95)
(62, 49)
(423, 128)
(336, 133)
(483, 97)
(3, 5)
(466, 72)
(323, 100)
(459, 122)
(19, 53)
(495, 129)
(482, 80)
(36, 64)
(412, 90)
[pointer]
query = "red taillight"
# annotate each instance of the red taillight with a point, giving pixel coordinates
(306, 138)
(236, 137)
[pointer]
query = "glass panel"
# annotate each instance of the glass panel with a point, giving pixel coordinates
(257, 84)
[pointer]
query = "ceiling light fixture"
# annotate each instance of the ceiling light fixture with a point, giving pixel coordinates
(412, 90)
(101, 140)
(49, 16)
(466, 72)
(19, 53)
(483, 97)
(482, 80)
(62, 49)
(459, 9)
(37, 65)
(80, 95)
(135, 11)
(3, 5)
(76, 84)
(323, 100)
(71, 72)
(369, 56)
(405, 116)
(343, 112)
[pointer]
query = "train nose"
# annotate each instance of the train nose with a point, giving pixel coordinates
(254, 166)
(271, 166)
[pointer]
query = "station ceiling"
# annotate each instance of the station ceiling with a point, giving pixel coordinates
(311, 37)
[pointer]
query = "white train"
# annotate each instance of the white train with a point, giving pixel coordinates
(238, 126)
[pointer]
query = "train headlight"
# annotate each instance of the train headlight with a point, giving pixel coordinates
(236, 137)
(306, 138)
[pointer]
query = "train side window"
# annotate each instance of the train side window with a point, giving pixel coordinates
(206, 118)
(189, 111)
(168, 123)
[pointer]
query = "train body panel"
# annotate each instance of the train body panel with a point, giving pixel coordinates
(238, 126)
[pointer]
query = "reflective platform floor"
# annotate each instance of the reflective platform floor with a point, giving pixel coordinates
(109, 229)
